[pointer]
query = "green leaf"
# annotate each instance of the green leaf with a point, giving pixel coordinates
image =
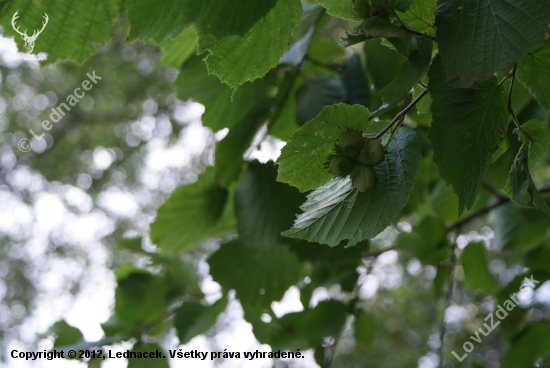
(264, 207)
(223, 105)
(383, 63)
(339, 8)
(520, 186)
(436, 75)
(193, 319)
(258, 275)
(325, 50)
(365, 328)
(539, 258)
(236, 59)
(151, 361)
(140, 298)
(427, 241)
(381, 27)
(177, 50)
(230, 151)
(65, 334)
(356, 83)
(302, 160)
(529, 345)
(410, 73)
(476, 275)
(151, 20)
(399, 5)
(518, 228)
(193, 214)
(317, 92)
(303, 330)
(420, 16)
(155, 21)
(469, 30)
(535, 135)
(534, 72)
(336, 211)
(73, 30)
(468, 124)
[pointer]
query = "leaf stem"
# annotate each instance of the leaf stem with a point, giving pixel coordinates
(510, 110)
(401, 114)
(286, 95)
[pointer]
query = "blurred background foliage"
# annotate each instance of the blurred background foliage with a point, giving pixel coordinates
(75, 213)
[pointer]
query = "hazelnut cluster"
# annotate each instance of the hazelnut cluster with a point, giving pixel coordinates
(355, 155)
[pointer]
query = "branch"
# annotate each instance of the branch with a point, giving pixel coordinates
(448, 295)
(402, 113)
(491, 206)
(378, 252)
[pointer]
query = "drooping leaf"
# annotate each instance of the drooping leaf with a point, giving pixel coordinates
(529, 345)
(468, 124)
(236, 59)
(476, 275)
(355, 81)
(317, 92)
(365, 328)
(535, 135)
(193, 319)
(140, 298)
(336, 211)
(427, 241)
(258, 275)
(177, 50)
(520, 186)
(518, 228)
(193, 214)
(470, 30)
(264, 207)
(152, 360)
(72, 30)
(383, 63)
(230, 151)
(534, 72)
(302, 160)
(410, 74)
(420, 16)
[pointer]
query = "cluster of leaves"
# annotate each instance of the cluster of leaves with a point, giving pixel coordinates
(436, 82)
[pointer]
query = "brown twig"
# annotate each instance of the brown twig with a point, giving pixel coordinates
(491, 206)
(402, 113)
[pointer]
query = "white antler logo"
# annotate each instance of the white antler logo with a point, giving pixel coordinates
(29, 40)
